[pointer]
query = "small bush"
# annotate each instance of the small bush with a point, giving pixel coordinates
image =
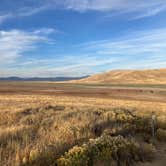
(103, 149)
(77, 156)
(161, 135)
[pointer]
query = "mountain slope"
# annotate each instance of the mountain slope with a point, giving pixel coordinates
(156, 76)
(41, 78)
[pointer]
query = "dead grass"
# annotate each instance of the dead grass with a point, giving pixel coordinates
(128, 77)
(37, 130)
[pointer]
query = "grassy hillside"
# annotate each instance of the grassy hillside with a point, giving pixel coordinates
(156, 76)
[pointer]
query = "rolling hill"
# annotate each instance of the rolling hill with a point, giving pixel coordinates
(155, 76)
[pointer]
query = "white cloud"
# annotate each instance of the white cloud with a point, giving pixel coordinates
(14, 43)
(45, 31)
(150, 12)
(22, 8)
(138, 8)
(28, 11)
(141, 49)
(139, 42)
(4, 17)
(45, 68)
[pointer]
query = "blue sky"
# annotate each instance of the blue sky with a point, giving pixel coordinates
(49, 38)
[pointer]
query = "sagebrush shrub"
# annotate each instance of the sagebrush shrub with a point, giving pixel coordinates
(104, 148)
(161, 135)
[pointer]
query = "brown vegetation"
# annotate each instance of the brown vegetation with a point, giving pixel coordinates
(45, 130)
(157, 76)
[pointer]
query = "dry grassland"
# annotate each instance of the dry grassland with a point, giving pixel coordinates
(45, 130)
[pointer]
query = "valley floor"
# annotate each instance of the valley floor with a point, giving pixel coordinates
(39, 122)
(156, 93)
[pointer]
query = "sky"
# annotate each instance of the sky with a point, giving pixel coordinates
(57, 38)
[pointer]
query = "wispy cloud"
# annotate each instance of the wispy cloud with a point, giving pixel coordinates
(150, 12)
(14, 43)
(23, 8)
(141, 49)
(138, 8)
(139, 42)
(66, 66)
(5, 17)
(28, 11)
(45, 31)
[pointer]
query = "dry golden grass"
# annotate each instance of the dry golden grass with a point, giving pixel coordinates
(37, 130)
(157, 76)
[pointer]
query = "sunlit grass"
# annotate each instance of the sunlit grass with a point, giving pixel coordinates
(38, 130)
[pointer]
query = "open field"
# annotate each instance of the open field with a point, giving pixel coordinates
(110, 124)
(132, 92)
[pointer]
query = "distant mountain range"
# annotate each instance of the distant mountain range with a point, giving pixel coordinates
(41, 79)
(151, 76)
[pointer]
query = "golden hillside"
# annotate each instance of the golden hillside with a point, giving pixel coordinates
(155, 76)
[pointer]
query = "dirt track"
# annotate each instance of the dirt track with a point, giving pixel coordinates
(117, 92)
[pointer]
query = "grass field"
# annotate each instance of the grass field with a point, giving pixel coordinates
(45, 124)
